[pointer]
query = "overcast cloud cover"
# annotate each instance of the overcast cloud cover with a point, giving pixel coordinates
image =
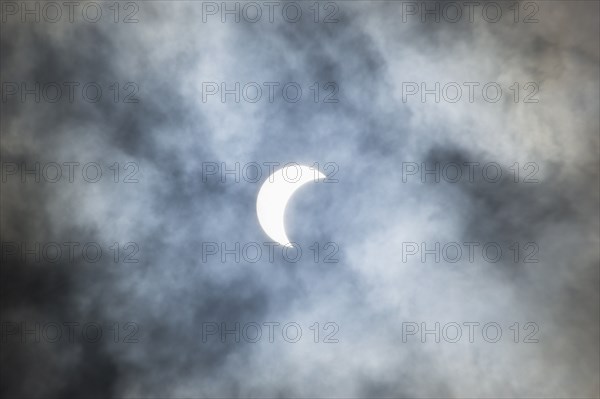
(369, 213)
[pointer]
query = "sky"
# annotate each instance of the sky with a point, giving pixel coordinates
(158, 174)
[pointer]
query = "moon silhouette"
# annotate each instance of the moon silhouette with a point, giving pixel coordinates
(275, 194)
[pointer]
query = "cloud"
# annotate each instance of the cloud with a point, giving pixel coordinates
(370, 135)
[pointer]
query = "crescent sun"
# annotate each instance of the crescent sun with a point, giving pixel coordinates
(275, 194)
